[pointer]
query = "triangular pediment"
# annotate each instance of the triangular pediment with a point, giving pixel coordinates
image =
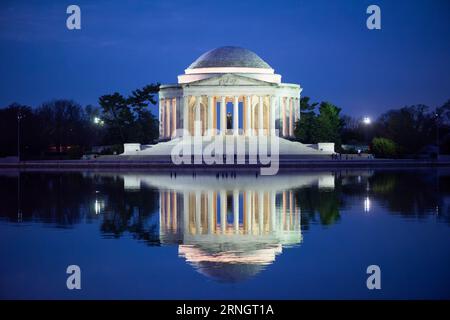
(229, 79)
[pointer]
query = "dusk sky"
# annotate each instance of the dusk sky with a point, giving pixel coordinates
(322, 45)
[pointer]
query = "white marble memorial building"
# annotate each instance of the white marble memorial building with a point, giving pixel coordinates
(233, 90)
(229, 92)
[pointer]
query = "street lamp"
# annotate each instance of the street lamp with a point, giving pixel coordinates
(437, 134)
(366, 121)
(19, 117)
(98, 121)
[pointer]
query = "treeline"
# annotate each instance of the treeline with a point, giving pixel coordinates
(65, 129)
(403, 132)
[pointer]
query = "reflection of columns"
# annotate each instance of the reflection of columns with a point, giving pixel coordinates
(260, 211)
(210, 114)
(236, 115)
(197, 213)
(291, 117)
(260, 116)
(223, 210)
(291, 209)
(210, 212)
(223, 116)
(175, 211)
(248, 115)
(273, 210)
(162, 216)
(186, 212)
(272, 116)
(283, 212)
(236, 210)
(186, 115)
(248, 210)
(168, 209)
(197, 123)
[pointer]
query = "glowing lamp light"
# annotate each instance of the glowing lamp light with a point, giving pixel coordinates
(367, 120)
(367, 204)
(98, 121)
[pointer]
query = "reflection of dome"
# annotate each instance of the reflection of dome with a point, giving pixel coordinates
(228, 272)
(229, 57)
(230, 265)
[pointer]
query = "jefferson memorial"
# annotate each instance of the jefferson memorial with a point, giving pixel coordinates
(229, 91)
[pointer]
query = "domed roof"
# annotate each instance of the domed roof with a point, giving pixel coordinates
(229, 57)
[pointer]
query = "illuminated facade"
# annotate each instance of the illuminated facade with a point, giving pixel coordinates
(229, 82)
(229, 94)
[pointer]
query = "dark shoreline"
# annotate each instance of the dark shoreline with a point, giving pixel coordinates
(290, 164)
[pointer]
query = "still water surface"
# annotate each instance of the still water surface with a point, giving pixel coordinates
(303, 235)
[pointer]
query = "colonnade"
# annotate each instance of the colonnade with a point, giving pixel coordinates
(262, 114)
(207, 212)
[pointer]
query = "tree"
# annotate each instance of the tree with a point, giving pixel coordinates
(62, 124)
(328, 124)
(146, 126)
(142, 98)
(354, 131)
(304, 128)
(116, 114)
(411, 128)
(128, 119)
(322, 127)
(384, 148)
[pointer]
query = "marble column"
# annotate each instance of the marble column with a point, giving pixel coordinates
(272, 115)
(162, 107)
(186, 115)
(291, 117)
(260, 116)
(167, 118)
(236, 115)
(248, 115)
(223, 116)
(283, 116)
(174, 117)
(197, 123)
(178, 114)
(210, 115)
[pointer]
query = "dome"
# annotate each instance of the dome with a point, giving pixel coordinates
(229, 57)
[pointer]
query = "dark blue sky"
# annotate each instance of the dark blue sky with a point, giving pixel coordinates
(322, 45)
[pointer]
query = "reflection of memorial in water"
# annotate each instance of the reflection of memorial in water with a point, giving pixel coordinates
(229, 229)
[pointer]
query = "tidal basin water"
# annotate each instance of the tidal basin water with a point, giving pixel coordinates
(299, 235)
